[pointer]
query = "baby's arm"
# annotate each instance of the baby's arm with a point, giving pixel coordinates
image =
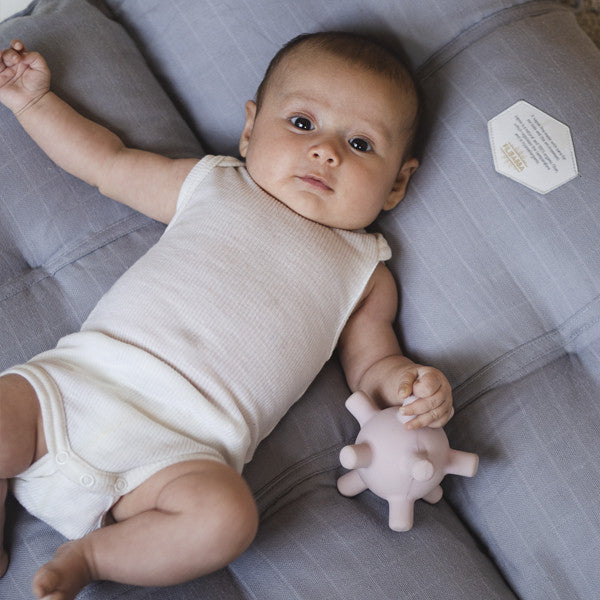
(145, 181)
(373, 362)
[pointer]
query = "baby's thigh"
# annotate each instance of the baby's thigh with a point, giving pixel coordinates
(192, 486)
(22, 439)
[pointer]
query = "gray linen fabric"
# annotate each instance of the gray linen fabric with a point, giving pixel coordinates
(212, 55)
(499, 288)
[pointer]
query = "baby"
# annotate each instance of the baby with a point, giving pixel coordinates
(130, 436)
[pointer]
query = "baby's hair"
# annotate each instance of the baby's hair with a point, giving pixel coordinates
(359, 50)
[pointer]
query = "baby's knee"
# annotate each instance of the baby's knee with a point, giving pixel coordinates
(236, 514)
(220, 508)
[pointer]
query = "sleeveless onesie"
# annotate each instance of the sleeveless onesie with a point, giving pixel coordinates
(197, 351)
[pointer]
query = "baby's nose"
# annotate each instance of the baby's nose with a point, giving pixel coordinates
(326, 152)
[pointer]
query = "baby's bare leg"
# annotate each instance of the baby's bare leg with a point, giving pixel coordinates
(3, 553)
(186, 521)
(21, 438)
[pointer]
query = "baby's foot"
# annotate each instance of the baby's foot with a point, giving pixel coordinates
(64, 576)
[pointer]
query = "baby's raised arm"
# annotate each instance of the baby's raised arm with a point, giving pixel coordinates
(145, 181)
(373, 361)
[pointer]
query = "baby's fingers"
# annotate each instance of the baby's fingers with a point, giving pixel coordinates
(430, 382)
(434, 418)
(430, 411)
(421, 406)
(11, 56)
(5, 60)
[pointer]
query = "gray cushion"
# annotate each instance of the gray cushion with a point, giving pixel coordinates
(498, 288)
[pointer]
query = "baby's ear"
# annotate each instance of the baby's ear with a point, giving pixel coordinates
(399, 190)
(248, 126)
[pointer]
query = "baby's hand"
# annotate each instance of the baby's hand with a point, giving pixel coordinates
(433, 406)
(24, 77)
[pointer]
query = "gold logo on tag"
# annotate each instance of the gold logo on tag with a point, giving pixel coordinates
(513, 156)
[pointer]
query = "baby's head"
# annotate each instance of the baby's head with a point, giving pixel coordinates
(332, 131)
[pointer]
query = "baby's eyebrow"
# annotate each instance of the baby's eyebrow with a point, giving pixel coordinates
(382, 130)
(297, 96)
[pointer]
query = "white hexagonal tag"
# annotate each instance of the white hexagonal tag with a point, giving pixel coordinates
(532, 147)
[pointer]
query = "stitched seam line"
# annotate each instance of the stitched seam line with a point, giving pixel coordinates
(488, 25)
(296, 474)
(529, 356)
(107, 236)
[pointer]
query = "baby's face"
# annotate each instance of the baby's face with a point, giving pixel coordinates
(328, 140)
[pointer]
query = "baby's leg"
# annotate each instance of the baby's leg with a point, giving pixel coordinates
(21, 438)
(3, 553)
(186, 521)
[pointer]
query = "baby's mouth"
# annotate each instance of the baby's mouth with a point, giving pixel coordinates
(317, 182)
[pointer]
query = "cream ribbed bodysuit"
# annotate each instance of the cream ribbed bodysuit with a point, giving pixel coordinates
(199, 349)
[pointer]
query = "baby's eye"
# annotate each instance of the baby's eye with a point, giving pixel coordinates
(360, 144)
(302, 123)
